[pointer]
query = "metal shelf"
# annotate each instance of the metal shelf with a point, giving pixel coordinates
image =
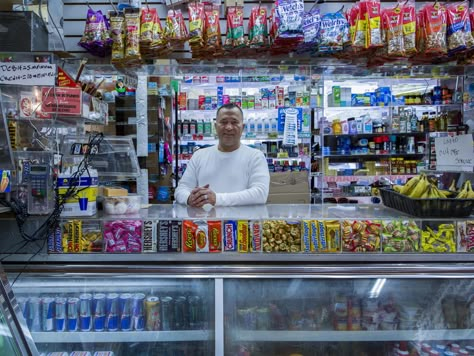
(379, 134)
(351, 336)
(457, 106)
(348, 156)
(121, 336)
(341, 179)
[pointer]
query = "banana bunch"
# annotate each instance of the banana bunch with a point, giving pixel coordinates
(466, 191)
(420, 187)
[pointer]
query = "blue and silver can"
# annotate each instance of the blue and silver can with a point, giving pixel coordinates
(138, 312)
(85, 318)
(125, 306)
(23, 305)
(112, 312)
(33, 319)
(47, 314)
(60, 314)
(72, 313)
(98, 308)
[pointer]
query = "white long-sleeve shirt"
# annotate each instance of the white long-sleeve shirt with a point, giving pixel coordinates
(239, 177)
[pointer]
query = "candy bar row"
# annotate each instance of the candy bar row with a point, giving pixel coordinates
(244, 236)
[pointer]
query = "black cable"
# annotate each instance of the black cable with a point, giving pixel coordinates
(27, 263)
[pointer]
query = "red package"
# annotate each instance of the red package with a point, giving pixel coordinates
(374, 32)
(420, 32)
(457, 14)
(351, 16)
(393, 31)
(196, 23)
(435, 29)
(235, 27)
(175, 27)
(189, 233)
(409, 28)
(215, 236)
(212, 28)
(258, 30)
(359, 13)
(147, 22)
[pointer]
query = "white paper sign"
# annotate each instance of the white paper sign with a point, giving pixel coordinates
(290, 132)
(455, 153)
(28, 73)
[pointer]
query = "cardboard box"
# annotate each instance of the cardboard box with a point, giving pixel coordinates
(289, 182)
(289, 198)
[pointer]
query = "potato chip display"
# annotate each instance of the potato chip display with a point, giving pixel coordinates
(434, 19)
(409, 27)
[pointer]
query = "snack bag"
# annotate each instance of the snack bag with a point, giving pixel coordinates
(290, 18)
(434, 17)
(456, 18)
(420, 32)
(311, 24)
(372, 15)
(175, 27)
(469, 37)
(258, 30)
(148, 19)
(96, 39)
(393, 33)
(157, 36)
(409, 27)
(196, 24)
(333, 27)
(360, 29)
(235, 27)
(212, 28)
(132, 37)
(117, 33)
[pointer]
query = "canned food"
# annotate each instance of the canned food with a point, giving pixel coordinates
(98, 307)
(60, 314)
(112, 312)
(72, 313)
(167, 313)
(125, 309)
(47, 314)
(85, 318)
(153, 314)
(138, 315)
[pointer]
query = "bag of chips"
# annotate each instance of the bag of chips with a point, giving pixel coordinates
(371, 9)
(96, 38)
(212, 28)
(409, 27)
(132, 35)
(457, 16)
(434, 17)
(258, 29)
(392, 31)
(235, 28)
(196, 24)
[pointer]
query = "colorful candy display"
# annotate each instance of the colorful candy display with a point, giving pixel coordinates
(361, 236)
(281, 236)
(400, 236)
(438, 238)
(123, 236)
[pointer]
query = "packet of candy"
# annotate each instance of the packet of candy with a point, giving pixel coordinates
(311, 25)
(258, 30)
(392, 29)
(196, 24)
(212, 28)
(235, 27)
(96, 39)
(117, 33)
(434, 17)
(290, 18)
(331, 33)
(175, 27)
(409, 27)
(132, 37)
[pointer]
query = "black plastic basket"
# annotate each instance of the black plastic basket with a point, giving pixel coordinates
(427, 208)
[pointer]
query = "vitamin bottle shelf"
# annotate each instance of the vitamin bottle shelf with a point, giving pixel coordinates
(121, 336)
(446, 106)
(345, 336)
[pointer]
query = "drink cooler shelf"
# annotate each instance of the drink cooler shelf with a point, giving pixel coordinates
(122, 336)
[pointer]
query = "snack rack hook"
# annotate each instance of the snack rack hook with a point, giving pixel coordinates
(113, 6)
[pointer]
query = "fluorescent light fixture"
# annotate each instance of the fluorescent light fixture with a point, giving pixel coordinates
(376, 289)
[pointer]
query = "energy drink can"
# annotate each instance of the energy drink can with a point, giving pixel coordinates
(180, 313)
(85, 311)
(23, 305)
(60, 314)
(153, 313)
(112, 312)
(138, 314)
(125, 309)
(104, 353)
(47, 314)
(195, 312)
(98, 308)
(167, 313)
(72, 313)
(33, 319)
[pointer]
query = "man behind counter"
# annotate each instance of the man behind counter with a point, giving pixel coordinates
(228, 173)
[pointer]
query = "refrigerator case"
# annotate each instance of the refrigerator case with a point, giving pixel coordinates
(264, 309)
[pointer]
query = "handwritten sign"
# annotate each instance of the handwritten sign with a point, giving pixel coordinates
(28, 73)
(455, 153)
(63, 101)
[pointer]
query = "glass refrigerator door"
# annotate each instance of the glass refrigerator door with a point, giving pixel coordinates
(118, 314)
(349, 316)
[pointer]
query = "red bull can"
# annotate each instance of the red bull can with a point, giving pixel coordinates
(138, 314)
(47, 314)
(125, 308)
(72, 313)
(85, 307)
(152, 313)
(23, 305)
(80, 353)
(98, 307)
(34, 314)
(60, 314)
(104, 353)
(112, 312)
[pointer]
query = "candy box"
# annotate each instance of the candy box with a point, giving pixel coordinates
(169, 236)
(149, 236)
(438, 237)
(255, 231)
(123, 236)
(361, 236)
(400, 236)
(189, 236)
(230, 235)
(202, 236)
(329, 236)
(466, 236)
(215, 236)
(281, 236)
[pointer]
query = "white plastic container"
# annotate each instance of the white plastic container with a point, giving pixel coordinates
(129, 204)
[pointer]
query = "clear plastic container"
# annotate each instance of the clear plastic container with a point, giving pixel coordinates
(124, 205)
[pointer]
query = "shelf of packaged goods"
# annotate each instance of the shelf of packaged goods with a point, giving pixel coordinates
(353, 336)
(241, 84)
(122, 336)
(244, 139)
(245, 111)
(378, 134)
(387, 155)
(444, 106)
(340, 179)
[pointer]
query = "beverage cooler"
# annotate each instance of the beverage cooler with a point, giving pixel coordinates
(267, 302)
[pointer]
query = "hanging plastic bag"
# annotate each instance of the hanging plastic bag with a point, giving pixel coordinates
(117, 34)
(258, 29)
(235, 28)
(96, 39)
